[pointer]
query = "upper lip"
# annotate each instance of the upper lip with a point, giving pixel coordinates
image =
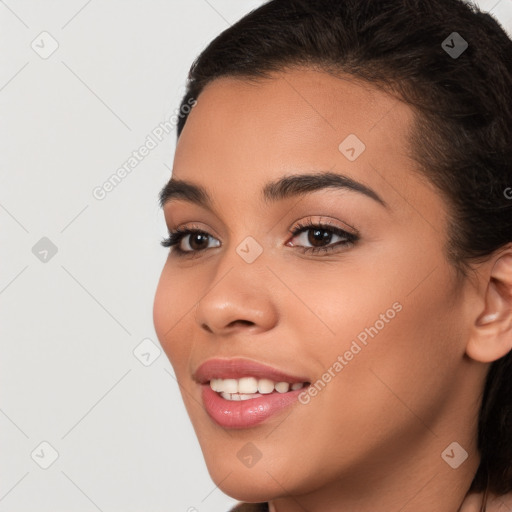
(236, 368)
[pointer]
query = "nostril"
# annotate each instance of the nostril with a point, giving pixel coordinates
(206, 328)
(243, 322)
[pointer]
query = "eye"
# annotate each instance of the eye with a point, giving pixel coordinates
(194, 240)
(322, 237)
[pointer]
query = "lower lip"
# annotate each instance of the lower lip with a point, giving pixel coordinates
(245, 413)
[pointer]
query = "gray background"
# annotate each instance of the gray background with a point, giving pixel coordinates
(71, 374)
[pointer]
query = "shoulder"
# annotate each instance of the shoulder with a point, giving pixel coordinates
(250, 507)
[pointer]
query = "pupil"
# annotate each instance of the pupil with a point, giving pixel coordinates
(197, 238)
(320, 236)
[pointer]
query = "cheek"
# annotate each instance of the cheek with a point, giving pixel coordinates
(396, 326)
(410, 355)
(173, 303)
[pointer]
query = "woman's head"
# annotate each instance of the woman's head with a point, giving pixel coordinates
(396, 325)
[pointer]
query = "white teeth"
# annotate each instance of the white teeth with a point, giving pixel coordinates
(265, 386)
(215, 384)
(282, 387)
(229, 386)
(237, 396)
(247, 387)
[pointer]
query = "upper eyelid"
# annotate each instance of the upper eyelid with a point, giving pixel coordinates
(297, 228)
(324, 220)
(181, 233)
(325, 224)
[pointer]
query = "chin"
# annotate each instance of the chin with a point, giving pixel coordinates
(251, 485)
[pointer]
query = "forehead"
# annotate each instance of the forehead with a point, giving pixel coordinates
(245, 133)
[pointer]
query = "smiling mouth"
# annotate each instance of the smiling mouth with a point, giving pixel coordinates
(241, 410)
(242, 393)
(247, 388)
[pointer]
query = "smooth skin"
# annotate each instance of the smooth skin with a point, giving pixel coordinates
(375, 434)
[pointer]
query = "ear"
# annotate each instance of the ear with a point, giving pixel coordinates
(491, 334)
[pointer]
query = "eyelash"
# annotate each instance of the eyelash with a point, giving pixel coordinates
(178, 234)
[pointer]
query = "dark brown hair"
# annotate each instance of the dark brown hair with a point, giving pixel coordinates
(462, 135)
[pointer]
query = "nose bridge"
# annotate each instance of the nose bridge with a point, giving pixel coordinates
(239, 291)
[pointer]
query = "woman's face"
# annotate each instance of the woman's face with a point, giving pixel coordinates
(374, 320)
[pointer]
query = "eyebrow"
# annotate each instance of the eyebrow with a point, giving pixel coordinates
(283, 188)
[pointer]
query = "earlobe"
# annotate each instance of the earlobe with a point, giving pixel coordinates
(491, 334)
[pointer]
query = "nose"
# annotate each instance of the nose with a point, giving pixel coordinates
(240, 297)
